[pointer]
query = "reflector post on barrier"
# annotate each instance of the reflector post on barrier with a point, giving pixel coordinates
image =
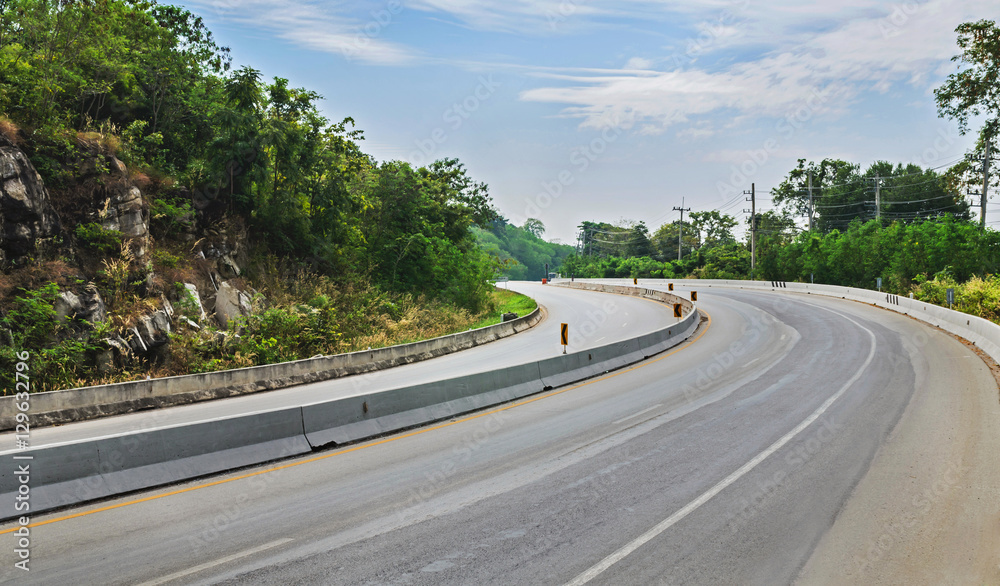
(677, 310)
(694, 296)
(670, 286)
(635, 281)
(564, 336)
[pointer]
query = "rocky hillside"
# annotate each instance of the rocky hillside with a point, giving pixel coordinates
(164, 213)
(105, 243)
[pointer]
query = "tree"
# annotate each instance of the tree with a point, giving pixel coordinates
(713, 227)
(974, 91)
(535, 227)
(664, 240)
(843, 193)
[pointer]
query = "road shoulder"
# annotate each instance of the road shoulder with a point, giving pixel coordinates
(928, 509)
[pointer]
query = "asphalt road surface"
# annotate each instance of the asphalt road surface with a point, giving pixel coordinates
(731, 459)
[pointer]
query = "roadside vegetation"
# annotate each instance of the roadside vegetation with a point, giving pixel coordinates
(242, 179)
(507, 301)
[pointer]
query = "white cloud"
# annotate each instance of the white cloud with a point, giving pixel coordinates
(638, 63)
(321, 26)
(870, 52)
(525, 16)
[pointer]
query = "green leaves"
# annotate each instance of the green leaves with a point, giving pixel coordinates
(31, 324)
(975, 90)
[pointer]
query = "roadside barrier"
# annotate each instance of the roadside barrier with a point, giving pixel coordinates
(76, 472)
(55, 407)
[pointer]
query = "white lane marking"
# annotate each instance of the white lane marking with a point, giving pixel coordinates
(217, 562)
(637, 414)
(689, 508)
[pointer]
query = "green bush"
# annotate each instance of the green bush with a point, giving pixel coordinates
(58, 356)
(167, 217)
(97, 237)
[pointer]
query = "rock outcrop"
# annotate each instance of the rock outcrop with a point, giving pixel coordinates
(230, 303)
(87, 306)
(194, 299)
(151, 332)
(125, 211)
(26, 213)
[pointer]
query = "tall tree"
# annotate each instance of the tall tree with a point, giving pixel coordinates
(842, 193)
(714, 227)
(975, 90)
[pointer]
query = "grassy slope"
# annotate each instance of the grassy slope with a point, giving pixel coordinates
(506, 301)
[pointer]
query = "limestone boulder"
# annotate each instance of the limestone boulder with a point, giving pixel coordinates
(151, 332)
(231, 303)
(26, 212)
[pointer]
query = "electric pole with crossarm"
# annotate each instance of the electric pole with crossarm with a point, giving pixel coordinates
(753, 228)
(680, 232)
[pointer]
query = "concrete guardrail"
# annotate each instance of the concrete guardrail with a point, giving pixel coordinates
(981, 332)
(76, 472)
(55, 407)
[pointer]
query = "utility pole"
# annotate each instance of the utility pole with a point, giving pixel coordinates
(878, 198)
(811, 206)
(986, 185)
(753, 229)
(680, 232)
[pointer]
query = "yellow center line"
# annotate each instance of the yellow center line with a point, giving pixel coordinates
(367, 444)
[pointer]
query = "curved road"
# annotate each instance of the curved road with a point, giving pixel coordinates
(605, 319)
(758, 453)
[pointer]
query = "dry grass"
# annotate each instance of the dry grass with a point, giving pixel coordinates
(105, 142)
(9, 130)
(141, 180)
(127, 311)
(37, 275)
(420, 321)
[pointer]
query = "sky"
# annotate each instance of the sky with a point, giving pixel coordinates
(592, 110)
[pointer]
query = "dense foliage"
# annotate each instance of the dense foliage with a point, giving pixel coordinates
(152, 83)
(345, 251)
(841, 193)
(522, 252)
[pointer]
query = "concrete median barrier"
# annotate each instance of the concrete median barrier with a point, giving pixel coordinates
(55, 407)
(76, 472)
(345, 420)
(563, 370)
(72, 473)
